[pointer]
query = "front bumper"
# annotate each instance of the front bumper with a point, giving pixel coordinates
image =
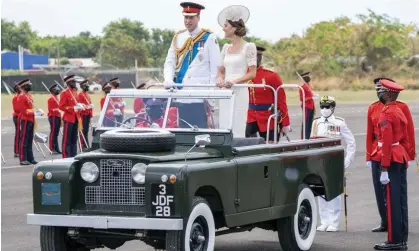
(104, 222)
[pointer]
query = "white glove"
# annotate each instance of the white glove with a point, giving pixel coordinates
(154, 125)
(90, 106)
(410, 163)
(369, 163)
(39, 112)
(122, 104)
(117, 112)
(384, 178)
(78, 106)
(168, 84)
(346, 163)
(286, 129)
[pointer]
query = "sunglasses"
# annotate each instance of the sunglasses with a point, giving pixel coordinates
(325, 107)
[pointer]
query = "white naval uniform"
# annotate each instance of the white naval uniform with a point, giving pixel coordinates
(333, 126)
(202, 70)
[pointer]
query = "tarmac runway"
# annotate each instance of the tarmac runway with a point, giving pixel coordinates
(362, 210)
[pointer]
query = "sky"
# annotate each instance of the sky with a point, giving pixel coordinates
(270, 20)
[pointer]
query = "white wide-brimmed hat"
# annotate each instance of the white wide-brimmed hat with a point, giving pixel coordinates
(233, 13)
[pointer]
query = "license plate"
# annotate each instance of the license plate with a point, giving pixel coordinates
(162, 200)
(51, 193)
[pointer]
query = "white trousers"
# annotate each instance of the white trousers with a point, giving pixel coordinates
(330, 211)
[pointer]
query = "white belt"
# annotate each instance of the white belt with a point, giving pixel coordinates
(380, 144)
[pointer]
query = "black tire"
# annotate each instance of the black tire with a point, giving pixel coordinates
(138, 140)
(56, 238)
(200, 223)
(293, 236)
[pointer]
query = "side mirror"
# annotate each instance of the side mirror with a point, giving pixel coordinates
(202, 140)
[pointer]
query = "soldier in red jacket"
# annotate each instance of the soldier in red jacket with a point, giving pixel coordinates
(16, 119)
(393, 157)
(117, 103)
(155, 110)
(54, 118)
(261, 101)
(27, 122)
(72, 121)
(309, 104)
(373, 130)
(87, 113)
(109, 119)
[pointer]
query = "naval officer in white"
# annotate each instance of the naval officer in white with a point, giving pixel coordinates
(331, 125)
(193, 58)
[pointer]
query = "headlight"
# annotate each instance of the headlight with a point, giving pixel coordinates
(89, 172)
(138, 173)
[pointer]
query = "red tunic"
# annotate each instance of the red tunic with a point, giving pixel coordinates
(15, 105)
(138, 105)
(25, 107)
(393, 139)
(308, 96)
(373, 131)
(84, 99)
(172, 120)
(260, 97)
(109, 110)
(53, 106)
(67, 103)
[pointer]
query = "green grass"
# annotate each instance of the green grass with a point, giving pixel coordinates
(40, 100)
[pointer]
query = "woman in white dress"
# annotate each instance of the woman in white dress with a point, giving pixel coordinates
(238, 66)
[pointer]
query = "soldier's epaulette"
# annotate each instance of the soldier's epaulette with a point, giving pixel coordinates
(340, 118)
(207, 30)
(180, 31)
(316, 118)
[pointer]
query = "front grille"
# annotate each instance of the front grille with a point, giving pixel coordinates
(115, 185)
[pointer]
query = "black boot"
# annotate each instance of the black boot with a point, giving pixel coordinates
(380, 229)
(25, 163)
(390, 246)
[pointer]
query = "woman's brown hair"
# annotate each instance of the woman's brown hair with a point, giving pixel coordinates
(240, 27)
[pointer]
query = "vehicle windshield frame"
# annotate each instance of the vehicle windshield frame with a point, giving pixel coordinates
(171, 94)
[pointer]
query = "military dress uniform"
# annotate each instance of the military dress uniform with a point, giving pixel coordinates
(309, 105)
(86, 114)
(391, 149)
(109, 119)
(373, 132)
(261, 101)
(27, 123)
(117, 104)
(71, 117)
(331, 125)
(16, 119)
(193, 58)
(54, 118)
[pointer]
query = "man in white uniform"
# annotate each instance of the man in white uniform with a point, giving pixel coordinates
(193, 58)
(331, 125)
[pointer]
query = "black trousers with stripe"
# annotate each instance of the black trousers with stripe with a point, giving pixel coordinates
(17, 134)
(380, 192)
(396, 200)
(309, 116)
(26, 141)
(54, 124)
(69, 145)
(86, 122)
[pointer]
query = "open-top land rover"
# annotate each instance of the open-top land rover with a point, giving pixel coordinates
(176, 186)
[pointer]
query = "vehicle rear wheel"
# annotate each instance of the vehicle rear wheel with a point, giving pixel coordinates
(199, 232)
(296, 233)
(56, 238)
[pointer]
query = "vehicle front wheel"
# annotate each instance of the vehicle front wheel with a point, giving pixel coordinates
(199, 232)
(296, 233)
(56, 238)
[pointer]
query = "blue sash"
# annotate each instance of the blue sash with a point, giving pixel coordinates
(185, 64)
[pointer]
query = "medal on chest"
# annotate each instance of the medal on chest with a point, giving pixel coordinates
(333, 130)
(200, 45)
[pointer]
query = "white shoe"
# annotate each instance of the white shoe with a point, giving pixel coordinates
(322, 228)
(331, 229)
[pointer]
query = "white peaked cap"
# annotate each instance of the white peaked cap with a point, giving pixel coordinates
(233, 13)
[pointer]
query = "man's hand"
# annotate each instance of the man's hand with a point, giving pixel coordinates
(346, 163)
(369, 163)
(122, 104)
(384, 179)
(78, 106)
(286, 129)
(168, 84)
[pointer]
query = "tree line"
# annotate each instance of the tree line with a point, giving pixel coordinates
(342, 47)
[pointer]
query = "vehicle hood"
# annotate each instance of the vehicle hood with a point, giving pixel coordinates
(177, 154)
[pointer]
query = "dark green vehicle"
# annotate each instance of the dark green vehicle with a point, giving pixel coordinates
(153, 176)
